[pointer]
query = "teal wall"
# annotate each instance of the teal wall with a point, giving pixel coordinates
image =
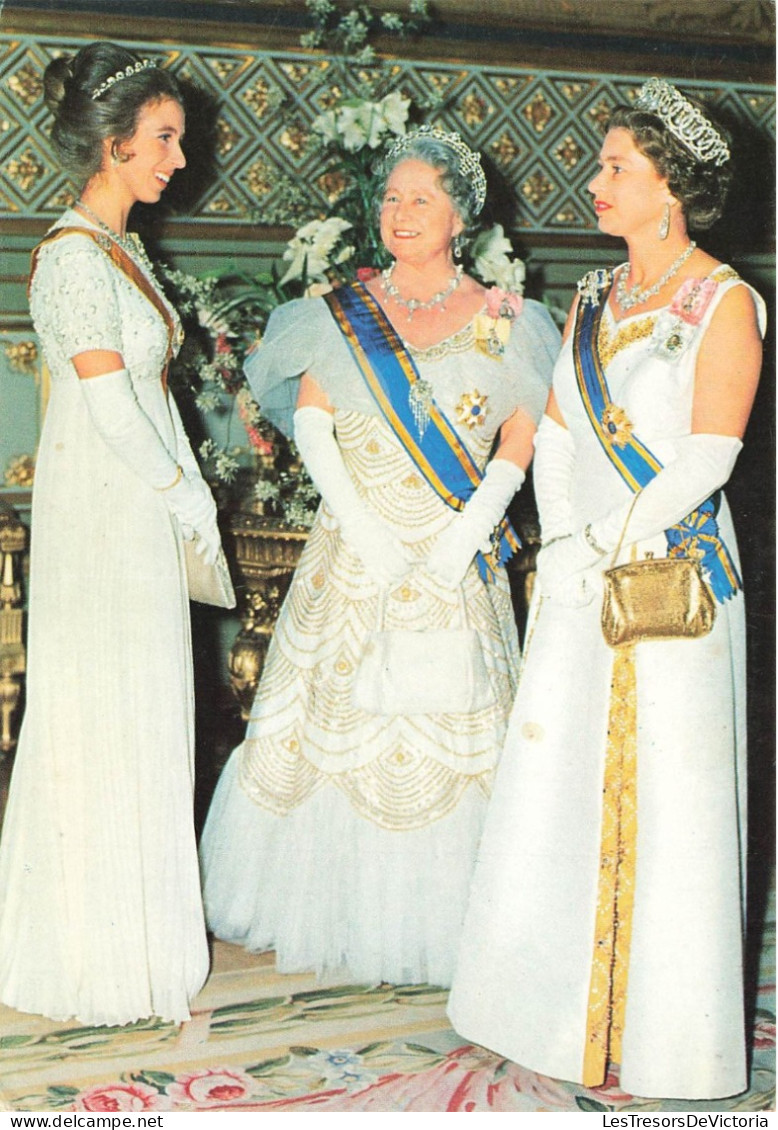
(250, 155)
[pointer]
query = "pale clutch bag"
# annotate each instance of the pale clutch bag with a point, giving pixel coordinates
(208, 584)
(434, 671)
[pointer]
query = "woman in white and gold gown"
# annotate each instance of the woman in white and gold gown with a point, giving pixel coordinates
(605, 928)
(340, 838)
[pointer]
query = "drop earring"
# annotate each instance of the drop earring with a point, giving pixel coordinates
(664, 227)
(457, 247)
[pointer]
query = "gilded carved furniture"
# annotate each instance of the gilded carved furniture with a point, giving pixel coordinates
(13, 540)
(264, 556)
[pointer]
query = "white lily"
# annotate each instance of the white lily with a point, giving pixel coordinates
(310, 248)
(326, 125)
(394, 111)
(493, 260)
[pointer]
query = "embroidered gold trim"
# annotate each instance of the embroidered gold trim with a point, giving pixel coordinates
(616, 887)
(724, 273)
(458, 342)
(609, 344)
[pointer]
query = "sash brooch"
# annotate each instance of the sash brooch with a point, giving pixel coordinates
(492, 327)
(592, 285)
(677, 325)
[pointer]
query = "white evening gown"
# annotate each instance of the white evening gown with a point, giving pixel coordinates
(536, 970)
(343, 840)
(101, 915)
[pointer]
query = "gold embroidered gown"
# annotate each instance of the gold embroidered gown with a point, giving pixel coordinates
(606, 914)
(346, 840)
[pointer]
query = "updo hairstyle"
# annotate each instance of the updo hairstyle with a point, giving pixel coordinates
(438, 156)
(81, 122)
(701, 187)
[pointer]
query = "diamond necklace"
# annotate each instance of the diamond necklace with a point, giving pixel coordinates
(414, 304)
(130, 243)
(635, 296)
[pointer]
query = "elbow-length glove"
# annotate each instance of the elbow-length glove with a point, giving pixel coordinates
(471, 529)
(130, 434)
(552, 477)
(703, 464)
(379, 550)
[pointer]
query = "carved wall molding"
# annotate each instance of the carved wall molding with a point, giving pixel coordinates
(537, 126)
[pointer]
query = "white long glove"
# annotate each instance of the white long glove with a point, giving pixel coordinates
(379, 550)
(552, 477)
(128, 431)
(704, 463)
(471, 529)
(186, 457)
(210, 538)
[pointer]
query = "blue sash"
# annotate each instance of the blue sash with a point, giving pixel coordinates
(697, 535)
(389, 372)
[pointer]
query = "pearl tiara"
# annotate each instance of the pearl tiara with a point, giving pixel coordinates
(683, 120)
(469, 162)
(135, 69)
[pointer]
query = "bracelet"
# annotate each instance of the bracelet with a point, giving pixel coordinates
(559, 537)
(592, 542)
(176, 480)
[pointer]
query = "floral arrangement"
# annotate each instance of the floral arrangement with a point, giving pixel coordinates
(226, 314)
(20, 471)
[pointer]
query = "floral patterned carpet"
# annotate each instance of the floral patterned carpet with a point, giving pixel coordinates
(259, 1041)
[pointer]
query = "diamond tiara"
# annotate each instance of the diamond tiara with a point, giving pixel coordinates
(469, 162)
(142, 65)
(683, 120)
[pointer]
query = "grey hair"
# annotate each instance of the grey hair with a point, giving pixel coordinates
(438, 156)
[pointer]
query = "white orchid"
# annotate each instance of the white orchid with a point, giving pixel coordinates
(493, 261)
(309, 251)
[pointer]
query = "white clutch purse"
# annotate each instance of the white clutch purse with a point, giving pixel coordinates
(434, 671)
(208, 584)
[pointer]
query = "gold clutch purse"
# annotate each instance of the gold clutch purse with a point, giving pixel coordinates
(657, 598)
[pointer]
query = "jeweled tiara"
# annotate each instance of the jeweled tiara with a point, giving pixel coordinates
(469, 162)
(683, 120)
(135, 69)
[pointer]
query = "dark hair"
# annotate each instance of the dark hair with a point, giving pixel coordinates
(438, 156)
(81, 122)
(701, 187)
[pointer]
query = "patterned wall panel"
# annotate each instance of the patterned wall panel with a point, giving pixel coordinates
(536, 127)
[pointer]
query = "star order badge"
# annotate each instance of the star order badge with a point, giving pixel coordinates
(617, 425)
(472, 410)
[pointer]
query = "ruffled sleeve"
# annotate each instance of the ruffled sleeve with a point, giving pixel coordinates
(301, 337)
(531, 354)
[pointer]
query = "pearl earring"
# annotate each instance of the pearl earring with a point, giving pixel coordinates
(457, 247)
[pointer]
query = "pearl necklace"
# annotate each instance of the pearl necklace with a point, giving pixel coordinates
(635, 296)
(414, 304)
(130, 243)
